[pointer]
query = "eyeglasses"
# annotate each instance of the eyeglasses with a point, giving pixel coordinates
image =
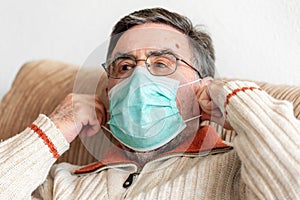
(157, 63)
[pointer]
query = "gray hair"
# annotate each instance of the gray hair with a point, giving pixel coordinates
(201, 43)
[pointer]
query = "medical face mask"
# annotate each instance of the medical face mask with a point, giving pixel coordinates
(143, 111)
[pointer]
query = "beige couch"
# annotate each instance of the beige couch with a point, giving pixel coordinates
(41, 85)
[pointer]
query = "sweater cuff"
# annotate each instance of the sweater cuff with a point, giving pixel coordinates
(51, 135)
(236, 89)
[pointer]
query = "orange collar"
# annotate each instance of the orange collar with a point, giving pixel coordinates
(205, 139)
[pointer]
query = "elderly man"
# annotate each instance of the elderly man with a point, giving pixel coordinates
(158, 66)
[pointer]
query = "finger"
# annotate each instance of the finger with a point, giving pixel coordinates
(217, 113)
(215, 118)
(205, 116)
(207, 80)
(208, 106)
(101, 112)
(88, 131)
(101, 118)
(203, 98)
(200, 90)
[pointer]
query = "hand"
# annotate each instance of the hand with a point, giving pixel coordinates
(208, 96)
(79, 114)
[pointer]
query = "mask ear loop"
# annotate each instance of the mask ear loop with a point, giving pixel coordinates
(189, 83)
(196, 117)
(106, 129)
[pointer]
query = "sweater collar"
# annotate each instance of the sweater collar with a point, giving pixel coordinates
(204, 140)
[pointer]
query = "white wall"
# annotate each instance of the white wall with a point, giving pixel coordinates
(254, 39)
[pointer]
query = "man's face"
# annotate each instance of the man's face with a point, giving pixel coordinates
(140, 40)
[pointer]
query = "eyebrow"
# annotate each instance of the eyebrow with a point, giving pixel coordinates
(122, 55)
(129, 55)
(160, 52)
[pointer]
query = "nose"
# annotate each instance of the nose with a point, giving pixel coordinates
(141, 62)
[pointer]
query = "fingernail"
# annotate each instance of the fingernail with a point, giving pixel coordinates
(208, 80)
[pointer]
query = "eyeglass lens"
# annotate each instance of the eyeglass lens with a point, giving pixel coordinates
(159, 65)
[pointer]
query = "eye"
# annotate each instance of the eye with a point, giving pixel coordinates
(123, 65)
(160, 65)
(162, 62)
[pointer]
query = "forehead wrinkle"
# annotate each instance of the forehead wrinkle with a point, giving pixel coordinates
(154, 36)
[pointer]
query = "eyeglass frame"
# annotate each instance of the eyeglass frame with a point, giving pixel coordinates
(148, 65)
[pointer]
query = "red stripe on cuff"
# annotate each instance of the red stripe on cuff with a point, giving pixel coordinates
(47, 141)
(234, 92)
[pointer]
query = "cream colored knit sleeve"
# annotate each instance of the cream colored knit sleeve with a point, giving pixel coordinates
(26, 158)
(268, 141)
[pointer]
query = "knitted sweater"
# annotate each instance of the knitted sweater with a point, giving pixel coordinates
(264, 162)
